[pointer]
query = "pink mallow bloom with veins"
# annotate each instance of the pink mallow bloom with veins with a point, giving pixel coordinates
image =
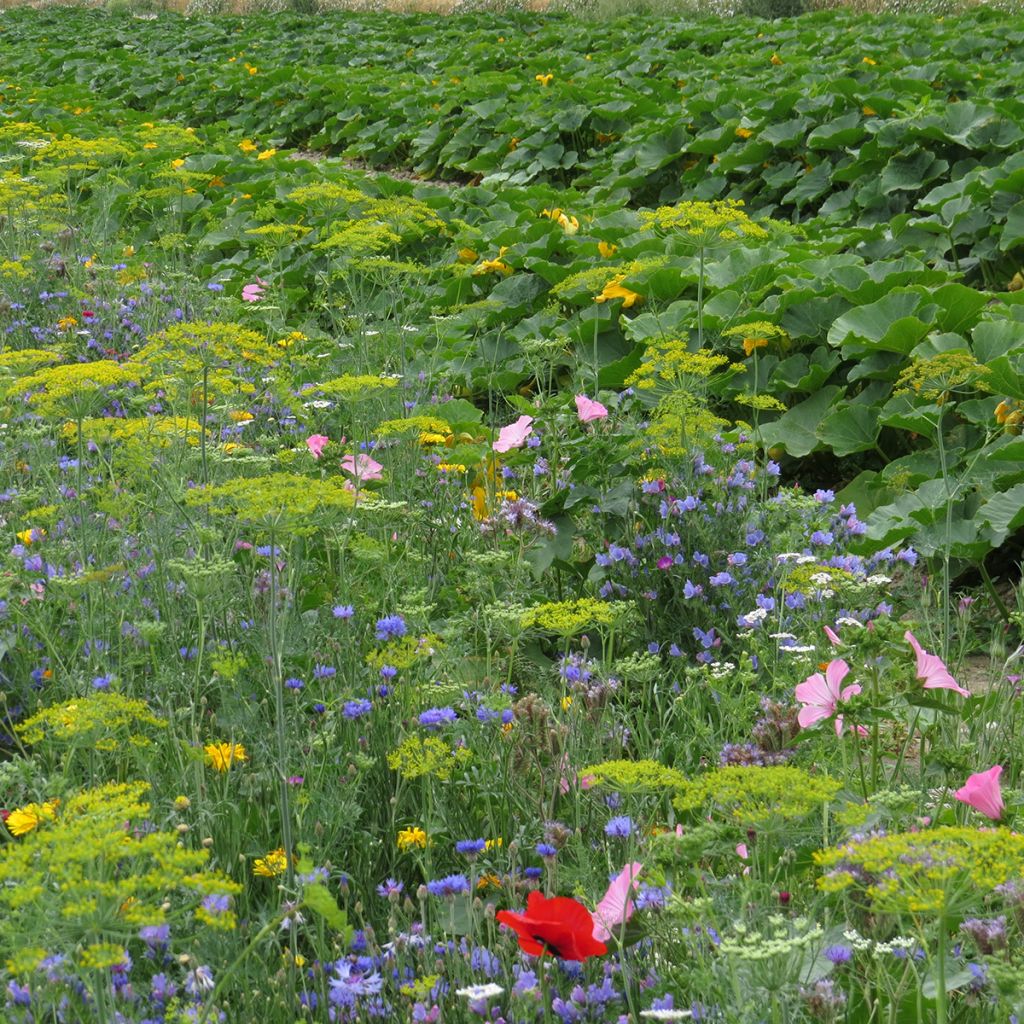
(514, 435)
(932, 669)
(362, 467)
(316, 444)
(616, 908)
(589, 410)
(821, 695)
(982, 792)
(254, 292)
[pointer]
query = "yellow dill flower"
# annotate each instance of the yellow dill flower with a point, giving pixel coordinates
(415, 757)
(705, 222)
(752, 796)
(409, 838)
(567, 618)
(273, 864)
(275, 498)
(223, 755)
(634, 776)
(100, 955)
(23, 820)
(75, 384)
(99, 714)
(614, 289)
(920, 872)
(936, 377)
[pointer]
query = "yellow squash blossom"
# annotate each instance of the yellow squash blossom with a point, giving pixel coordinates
(544, 80)
(247, 146)
(615, 290)
(266, 154)
(570, 225)
(751, 344)
(495, 266)
(607, 249)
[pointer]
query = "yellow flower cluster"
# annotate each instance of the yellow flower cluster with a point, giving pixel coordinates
(567, 618)
(935, 377)
(101, 714)
(276, 498)
(751, 796)
(353, 386)
(634, 776)
(23, 820)
(273, 864)
(669, 360)
(705, 222)
(417, 756)
(920, 872)
(404, 653)
(90, 871)
(72, 386)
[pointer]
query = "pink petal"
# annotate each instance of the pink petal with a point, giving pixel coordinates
(514, 435)
(814, 690)
(811, 714)
(316, 444)
(616, 908)
(252, 292)
(932, 669)
(588, 410)
(835, 673)
(982, 792)
(833, 637)
(362, 467)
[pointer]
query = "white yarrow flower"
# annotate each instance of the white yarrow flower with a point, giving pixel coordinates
(477, 992)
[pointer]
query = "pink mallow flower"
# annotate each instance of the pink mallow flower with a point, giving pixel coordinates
(588, 410)
(362, 467)
(932, 669)
(253, 292)
(514, 435)
(316, 444)
(821, 695)
(616, 908)
(982, 792)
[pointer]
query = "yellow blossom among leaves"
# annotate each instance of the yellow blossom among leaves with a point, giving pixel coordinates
(544, 80)
(273, 864)
(223, 755)
(614, 289)
(23, 820)
(266, 154)
(607, 249)
(410, 838)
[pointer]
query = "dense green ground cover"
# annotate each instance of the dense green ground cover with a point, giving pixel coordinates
(384, 549)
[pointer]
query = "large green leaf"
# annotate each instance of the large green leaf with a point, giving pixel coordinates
(796, 430)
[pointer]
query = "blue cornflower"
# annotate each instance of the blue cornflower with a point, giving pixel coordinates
(434, 718)
(343, 611)
(471, 847)
(390, 887)
(546, 850)
(620, 827)
(391, 627)
(452, 885)
(356, 708)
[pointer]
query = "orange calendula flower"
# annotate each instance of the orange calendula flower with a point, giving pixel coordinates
(750, 345)
(409, 838)
(23, 820)
(223, 755)
(615, 290)
(273, 864)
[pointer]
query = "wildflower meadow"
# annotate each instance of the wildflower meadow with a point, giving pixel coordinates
(511, 517)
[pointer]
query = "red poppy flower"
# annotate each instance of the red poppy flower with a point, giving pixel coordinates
(560, 926)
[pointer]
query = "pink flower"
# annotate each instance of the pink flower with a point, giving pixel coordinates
(833, 637)
(588, 410)
(932, 669)
(316, 444)
(665, 562)
(362, 467)
(514, 435)
(821, 695)
(615, 909)
(742, 852)
(253, 292)
(982, 792)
